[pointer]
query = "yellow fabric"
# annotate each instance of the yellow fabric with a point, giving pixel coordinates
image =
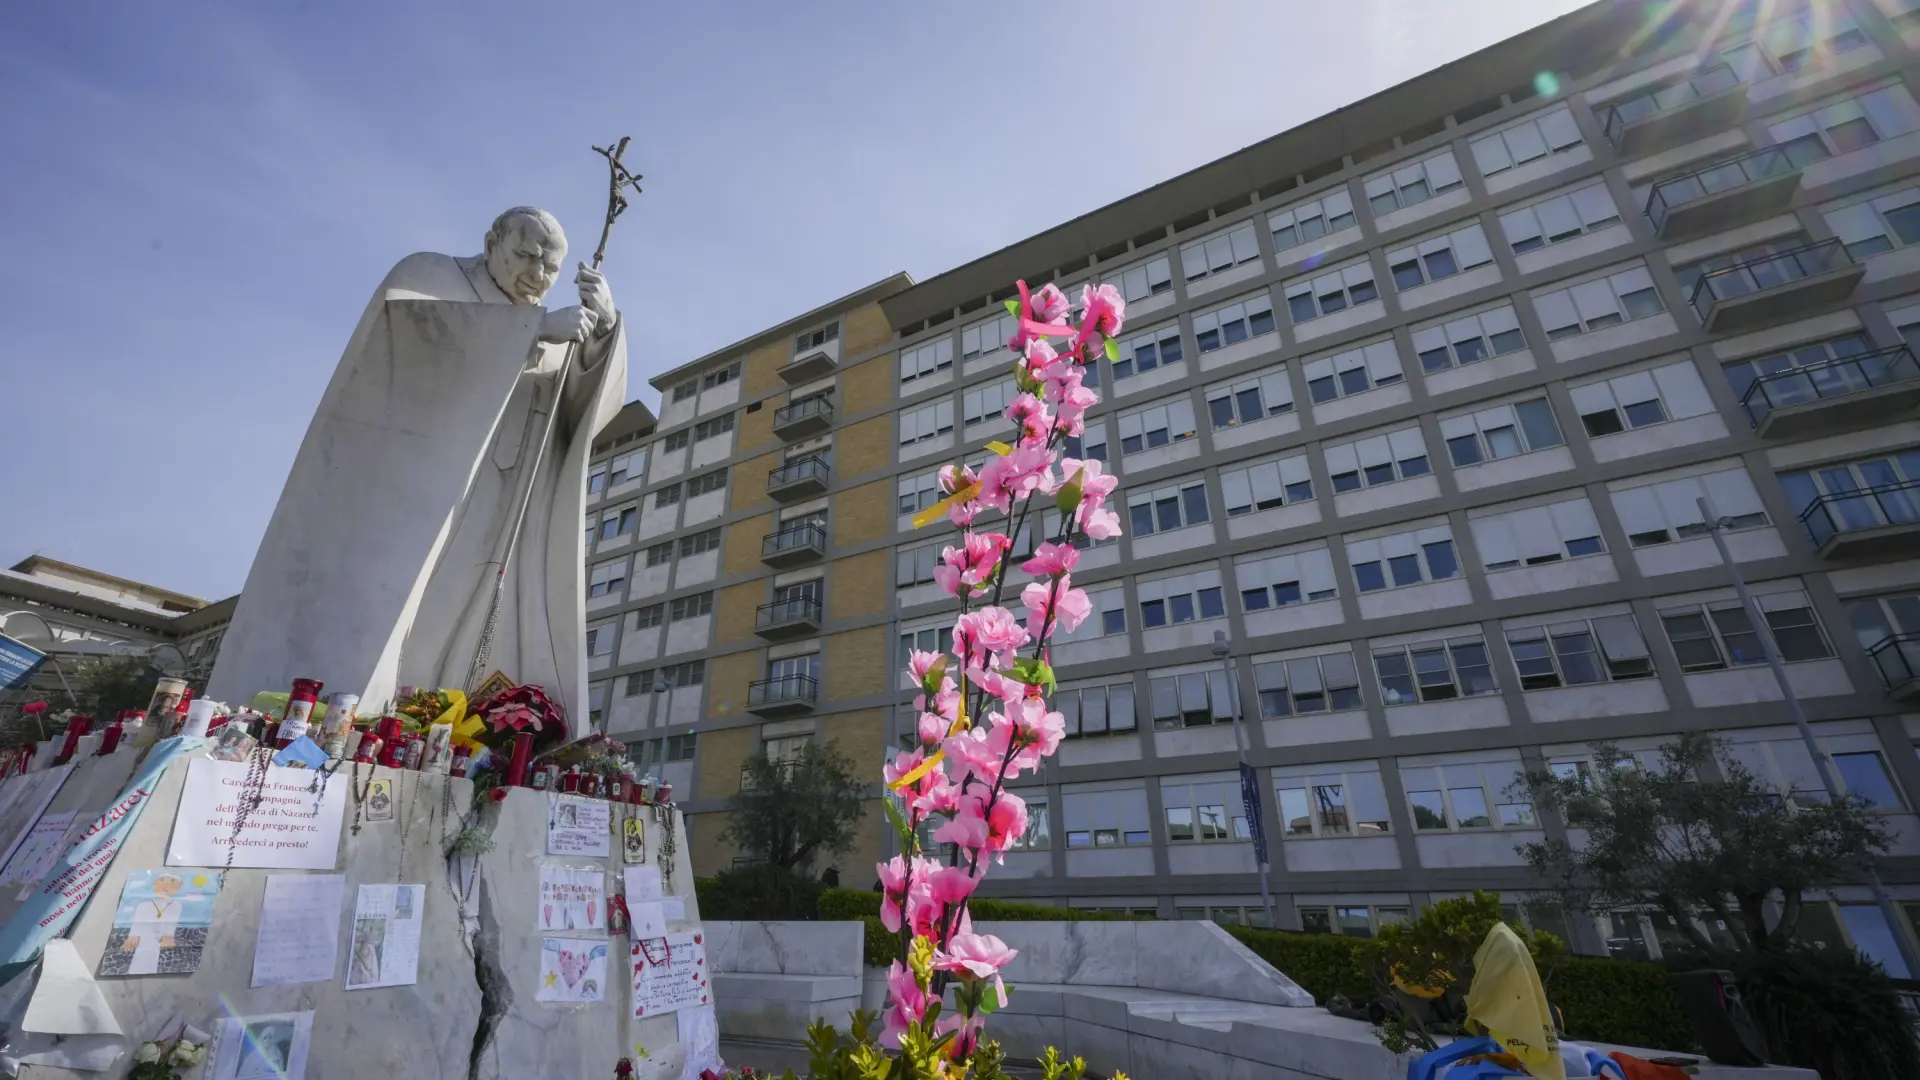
(1507, 999)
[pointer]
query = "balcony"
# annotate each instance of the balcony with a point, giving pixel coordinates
(1774, 288)
(783, 619)
(804, 418)
(1723, 195)
(1881, 520)
(788, 695)
(795, 545)
(1840, 394)
(811, 365)
(800, 478)
(1898, 658)
(1709, 102)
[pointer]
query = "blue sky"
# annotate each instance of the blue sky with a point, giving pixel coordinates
(204, 195)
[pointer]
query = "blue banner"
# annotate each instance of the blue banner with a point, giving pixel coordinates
(18, 662)
(70, 884)
(1250, 802)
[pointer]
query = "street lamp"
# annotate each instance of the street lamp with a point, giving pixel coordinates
(1249, 780)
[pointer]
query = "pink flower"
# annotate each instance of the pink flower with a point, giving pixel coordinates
(952, 885)
(1032, 307)
(946, 702)
(1032, 416)
(970, 755)
(966, 1032)
(974, 956)
(1099, 524)
(970, 565)
(895, 886)
(932, 728)
(1103, 312)
(906, 1004)
(938, 795)
(953, 480)
(1095, 482)
(1041, 358)
(996, 684)
(920, 663)
(1050, 560)
(1073, 403)
(1014, 476)
(1067, 606)
(1030, 724)
(1049, 305)
(978, 828)
(991, 633)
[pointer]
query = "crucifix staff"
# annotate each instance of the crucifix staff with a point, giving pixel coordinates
(619, 179)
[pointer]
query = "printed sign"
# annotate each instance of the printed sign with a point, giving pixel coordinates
(294, 827)
(18, 662)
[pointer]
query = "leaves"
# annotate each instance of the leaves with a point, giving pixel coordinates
(1113, 351)
(1067, 499)
(788, 812)
(1013, 307)
(1033, 671)
(908, 842)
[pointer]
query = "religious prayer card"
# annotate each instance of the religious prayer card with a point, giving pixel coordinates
(573, 971)
(669, 974)
(386, 936)
(633, 840)
(263, 1047)
(643, 884)
(649, 920)
(577, 826)
(571, 898)
(299, 938)
(161, 924)
(36, 854)
(293, 828)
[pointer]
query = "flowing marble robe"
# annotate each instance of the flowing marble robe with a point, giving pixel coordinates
(378, 566)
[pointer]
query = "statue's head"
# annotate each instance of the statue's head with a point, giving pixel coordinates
(525, 248)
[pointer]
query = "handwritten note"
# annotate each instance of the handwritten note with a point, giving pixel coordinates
(299, 937)
(669, 974)
(577, 826)
(572, 898)
(643, 884)
(36, 854)
(386, 936)
(649, 920)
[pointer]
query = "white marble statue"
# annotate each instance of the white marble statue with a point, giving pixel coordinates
(378, 567)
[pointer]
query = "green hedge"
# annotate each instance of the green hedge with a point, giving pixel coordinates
(857, 904)
(1322, 964)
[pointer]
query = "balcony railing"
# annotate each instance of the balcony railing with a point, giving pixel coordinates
(1675, 199)
(1705, 102)
(1840, 377)
(1718, 295)
(791, 615)
(810, 413)
(788, 693)
(811, 472)
(795, 543)
(1830, 519)
(1898, 658)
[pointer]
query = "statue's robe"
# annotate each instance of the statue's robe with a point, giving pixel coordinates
(379, 565)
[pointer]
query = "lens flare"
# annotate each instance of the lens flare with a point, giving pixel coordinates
(1546, 84)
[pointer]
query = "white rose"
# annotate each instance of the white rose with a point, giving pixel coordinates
(147, 1054)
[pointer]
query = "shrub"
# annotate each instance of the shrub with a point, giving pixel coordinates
(759, 892)
(1618, 1001)
(1323, 965)
(856, 904)
(1827, 1009)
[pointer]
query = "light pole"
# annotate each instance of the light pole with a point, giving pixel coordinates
(1716, 525)
(1249, 780)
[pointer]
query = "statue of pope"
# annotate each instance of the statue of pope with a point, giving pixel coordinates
(378, 567)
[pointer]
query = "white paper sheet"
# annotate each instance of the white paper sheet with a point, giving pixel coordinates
(579, 826)
(649, 920)
(66, 1000)
(386, 936)
(287, 831)
(299, 939)
(572, 971)
(669, 974)
(263, 1047)
(643, 884)
(36, 854)
(700, 1037)
(571, 898)
(675, 908)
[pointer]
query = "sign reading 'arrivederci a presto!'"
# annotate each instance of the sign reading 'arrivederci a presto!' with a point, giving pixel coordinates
(293, 827)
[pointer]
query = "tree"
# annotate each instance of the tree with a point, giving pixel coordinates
(112, 684)
(1675, 838)
(788, 812)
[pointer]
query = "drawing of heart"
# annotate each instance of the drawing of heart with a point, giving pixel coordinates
(696, 939)
(589, 913)
(546, 915)
(573, 966)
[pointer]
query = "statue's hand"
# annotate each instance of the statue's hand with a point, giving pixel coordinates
(566, 324)
(596, 297)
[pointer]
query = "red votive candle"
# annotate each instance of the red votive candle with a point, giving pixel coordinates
(522, 757)
(76, 727)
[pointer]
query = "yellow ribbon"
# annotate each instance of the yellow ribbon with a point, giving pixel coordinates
(939, 510)
(925, 767)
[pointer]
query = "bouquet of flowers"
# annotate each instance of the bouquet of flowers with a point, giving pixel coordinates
(163, 1060)
(517, 709)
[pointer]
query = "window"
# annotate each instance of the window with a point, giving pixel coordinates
(1200, 810)
(925, 360)
(675, 440)
(638, 682)
(1876, 619)
(1641, 398)
(790, 671)
(1847, 125)
(814, 339)
(600, 637)
(660, 554)
(667, 496)
(1115, 818)
(988, 402)
(1181, 599)
(597, 481)
(1307, 684)
(1267, 484)
(1467, 795)
(1310, 221)
(1091, 443)
(1500, 432)
(1433, 671)
(628, 465)
(706, 482)
(1141, 353)
(1253, 398)
(679, 748)
(1707, 637)
(928, 422)
(696, 543)
(1563, 217)
(914, 565)
(1784, 765)
(1439, 257)
(1220, 251)
(1468, 340)
(608, 577)
(619, 522)
(707, 429)
(1191, 698)
(684, 391)
(1109, 618)
(1038, 835)
(1282, 580)
(987, 336)
(1403, 559)
(1233, 323)
(1859, 494)
(1822, 376)
(692, 607)
(1156, 426)
(1096, 709)
(1382, 459)
(1410, 184)
(1536, 137)
(1355, 371)
(1753, 268)
(649, 616)
(720, 377)
(1332, 800)
(1577, 652)
(927, 639)
(691, 673)
(1593, 305)
(919, 492)
(1349, 921)
(1877, 225)
(1665, 512)
(1164, 509)
(1334, 290)
(1143, 279)
(1537, 534)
